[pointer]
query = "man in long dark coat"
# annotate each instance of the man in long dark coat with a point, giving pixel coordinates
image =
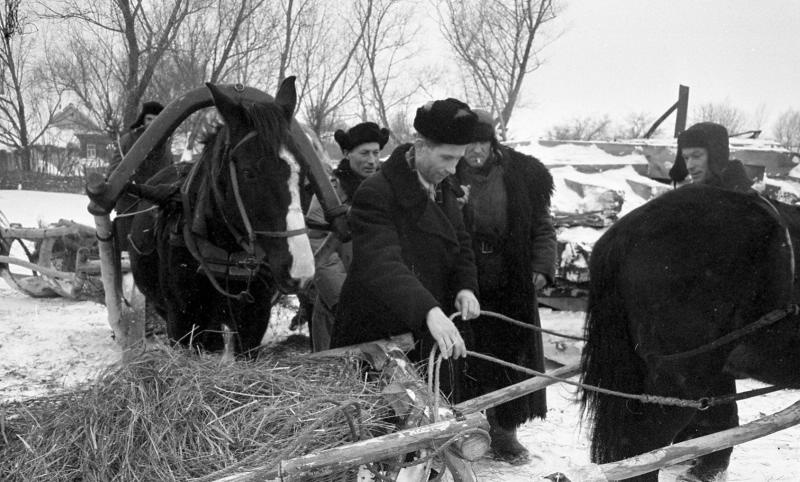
(412, 257)
(507, 213)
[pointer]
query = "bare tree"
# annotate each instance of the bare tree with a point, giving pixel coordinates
(386, 51)
(27, 102)
(581, 129)
(635, 126)
(211, 48)
(787, 130)
(723, 113)
(113, 50)
(497, 43)
(328, 65)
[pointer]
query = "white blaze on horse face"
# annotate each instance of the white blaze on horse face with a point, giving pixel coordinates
(300, 248)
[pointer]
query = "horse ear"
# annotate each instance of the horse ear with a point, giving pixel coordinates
(286, 97)
(228, 108)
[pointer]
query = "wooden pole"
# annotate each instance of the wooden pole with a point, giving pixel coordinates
(690, 449)
(366, 451)
(127, 326)
(517, 390)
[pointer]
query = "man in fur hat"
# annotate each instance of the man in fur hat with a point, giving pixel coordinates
(412, 256)
(159, 158)
(507, 214)
(703, 154)
(361, 146)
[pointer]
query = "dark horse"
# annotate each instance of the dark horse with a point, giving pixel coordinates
(234, 236)
(676, 274)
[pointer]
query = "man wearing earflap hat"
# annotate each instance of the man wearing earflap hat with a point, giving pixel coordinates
(412, 257)
(704, 155)
(157, 159)
(361, 146)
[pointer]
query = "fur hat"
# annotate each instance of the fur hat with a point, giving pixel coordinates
(151, 107)
(484, 127)
(361, 134)
(447, 121)
(713, 137)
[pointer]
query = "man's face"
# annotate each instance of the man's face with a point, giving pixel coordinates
(364, 158)
(696, 159)
(434, 163)
(148, 118)
(477, 153)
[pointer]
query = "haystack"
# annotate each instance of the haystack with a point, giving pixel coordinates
(172, 415)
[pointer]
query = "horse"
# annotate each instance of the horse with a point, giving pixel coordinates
(221, 249)
(672, 276)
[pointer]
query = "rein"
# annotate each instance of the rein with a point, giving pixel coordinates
(770, 318)
(701, 404)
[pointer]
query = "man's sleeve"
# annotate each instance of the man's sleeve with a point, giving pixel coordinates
(377, 254)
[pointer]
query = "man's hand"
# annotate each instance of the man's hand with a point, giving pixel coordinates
(445, 334)
(468, 305)
(539, 281)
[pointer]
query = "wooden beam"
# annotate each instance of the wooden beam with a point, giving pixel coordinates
(365, 451)
(498, 397)
(690, 449)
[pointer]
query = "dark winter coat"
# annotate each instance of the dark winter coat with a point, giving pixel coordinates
(529, 246)
(410, 254)
(157, 159)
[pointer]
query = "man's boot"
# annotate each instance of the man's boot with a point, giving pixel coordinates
(505, 445)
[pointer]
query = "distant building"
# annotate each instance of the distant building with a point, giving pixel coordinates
(71, 145)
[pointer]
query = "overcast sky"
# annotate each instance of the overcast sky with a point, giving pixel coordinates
(619, 56)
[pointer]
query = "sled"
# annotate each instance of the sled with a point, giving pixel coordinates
(58, 260)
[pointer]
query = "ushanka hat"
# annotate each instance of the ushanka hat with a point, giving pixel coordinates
(361, 134)
(484, 127)
(447, 121)
(708, 135)
(151, 107)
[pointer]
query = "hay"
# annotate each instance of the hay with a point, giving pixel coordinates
(170, 415)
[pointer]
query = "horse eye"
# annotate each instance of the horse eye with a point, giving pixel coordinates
(248, 173)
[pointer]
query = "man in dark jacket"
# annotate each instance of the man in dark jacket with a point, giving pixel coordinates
(703, 154)
(159, 158)
(412, 257)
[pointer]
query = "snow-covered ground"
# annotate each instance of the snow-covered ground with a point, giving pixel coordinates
(49, 344)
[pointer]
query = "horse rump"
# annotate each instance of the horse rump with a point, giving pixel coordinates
(677, 273)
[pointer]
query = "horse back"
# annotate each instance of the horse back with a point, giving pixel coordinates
(700, 262)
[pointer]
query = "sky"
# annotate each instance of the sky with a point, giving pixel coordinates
(616, 57)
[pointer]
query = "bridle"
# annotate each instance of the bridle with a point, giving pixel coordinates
(256, 257)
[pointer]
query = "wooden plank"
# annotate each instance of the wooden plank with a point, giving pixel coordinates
(690, 449)
(498, 397)
(404, 342)
(46, 233)
(365, 451)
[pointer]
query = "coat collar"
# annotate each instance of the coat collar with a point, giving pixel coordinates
(405, 182)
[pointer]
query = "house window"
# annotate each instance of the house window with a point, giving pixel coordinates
(91, 151)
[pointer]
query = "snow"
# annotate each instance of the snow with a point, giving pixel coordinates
(52, 344)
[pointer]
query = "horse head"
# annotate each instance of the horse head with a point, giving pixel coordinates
(255, 177)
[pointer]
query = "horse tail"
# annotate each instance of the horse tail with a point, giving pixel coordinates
(608, 359)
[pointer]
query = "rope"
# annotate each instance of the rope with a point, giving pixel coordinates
(701, 404)
(523, 325)
(770, 318)
(127, 214)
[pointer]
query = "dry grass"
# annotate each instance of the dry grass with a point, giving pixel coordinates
(176, 416)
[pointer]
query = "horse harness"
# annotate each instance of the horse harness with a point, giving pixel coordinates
(216, 262)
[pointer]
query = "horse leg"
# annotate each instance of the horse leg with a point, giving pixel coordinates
(715, 419)
(253, 321)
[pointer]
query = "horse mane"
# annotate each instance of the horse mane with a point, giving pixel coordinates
(266, 118)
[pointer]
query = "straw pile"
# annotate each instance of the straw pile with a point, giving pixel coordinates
(176, 416)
